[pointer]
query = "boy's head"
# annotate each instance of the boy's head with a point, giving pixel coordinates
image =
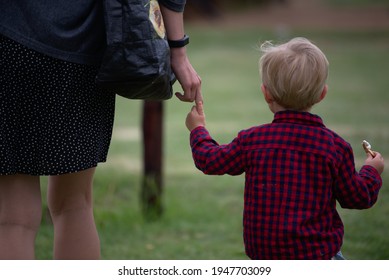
(294, 73)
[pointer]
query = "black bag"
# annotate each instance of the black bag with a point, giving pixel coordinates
(136, 63)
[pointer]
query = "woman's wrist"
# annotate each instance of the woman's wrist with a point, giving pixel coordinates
(180, 43)
(178, 55)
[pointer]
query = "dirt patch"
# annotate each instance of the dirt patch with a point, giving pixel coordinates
(303, 14)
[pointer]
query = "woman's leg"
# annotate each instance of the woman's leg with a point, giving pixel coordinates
(20, 215)
(71, 207)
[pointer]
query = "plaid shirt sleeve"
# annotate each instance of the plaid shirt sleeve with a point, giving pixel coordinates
(212, 158)
(356, 190)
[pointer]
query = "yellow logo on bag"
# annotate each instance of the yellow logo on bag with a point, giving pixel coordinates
(156, 19)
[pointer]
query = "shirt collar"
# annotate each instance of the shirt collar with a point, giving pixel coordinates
(296, 117)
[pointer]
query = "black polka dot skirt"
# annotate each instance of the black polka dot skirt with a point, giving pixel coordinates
(53, 119)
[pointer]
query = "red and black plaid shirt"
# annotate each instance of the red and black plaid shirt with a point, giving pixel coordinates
(295, 170)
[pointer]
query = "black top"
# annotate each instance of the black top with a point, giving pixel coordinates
(71, 30)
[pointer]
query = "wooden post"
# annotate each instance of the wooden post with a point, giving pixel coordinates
(152, 127)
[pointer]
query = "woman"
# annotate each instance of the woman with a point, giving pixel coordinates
(55, 122)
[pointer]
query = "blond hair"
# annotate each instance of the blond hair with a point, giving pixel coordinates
(294, 73)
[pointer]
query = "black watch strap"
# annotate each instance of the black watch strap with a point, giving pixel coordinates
(179, 43)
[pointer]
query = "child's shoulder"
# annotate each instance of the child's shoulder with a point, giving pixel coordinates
(255, 129)
(336, 144)
(338, 140)
(256, 133)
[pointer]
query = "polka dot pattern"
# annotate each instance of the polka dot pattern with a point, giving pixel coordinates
(53, 118)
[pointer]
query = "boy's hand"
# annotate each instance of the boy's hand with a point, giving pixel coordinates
(195, 117)
(377, 161)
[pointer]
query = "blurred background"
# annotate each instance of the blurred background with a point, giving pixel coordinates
(201, 215)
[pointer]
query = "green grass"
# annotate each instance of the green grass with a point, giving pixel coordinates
(203, 214)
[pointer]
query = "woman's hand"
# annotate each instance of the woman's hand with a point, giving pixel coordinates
(186, 75)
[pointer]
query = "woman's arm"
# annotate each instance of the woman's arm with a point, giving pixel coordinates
(185, 73)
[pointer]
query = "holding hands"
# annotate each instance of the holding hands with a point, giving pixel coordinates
(195, 117)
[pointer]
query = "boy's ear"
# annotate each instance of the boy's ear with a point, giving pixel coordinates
(324, 92)
(269, 99)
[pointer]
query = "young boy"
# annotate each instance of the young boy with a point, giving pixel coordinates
(296, 168)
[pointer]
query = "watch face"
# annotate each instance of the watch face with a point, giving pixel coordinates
(156, 19)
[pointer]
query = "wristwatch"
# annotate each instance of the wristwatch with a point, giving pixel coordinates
(179, 43)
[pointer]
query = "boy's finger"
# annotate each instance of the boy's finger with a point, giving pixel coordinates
(200, 108)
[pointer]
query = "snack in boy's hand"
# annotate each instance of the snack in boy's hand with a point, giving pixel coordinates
(367, 147)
